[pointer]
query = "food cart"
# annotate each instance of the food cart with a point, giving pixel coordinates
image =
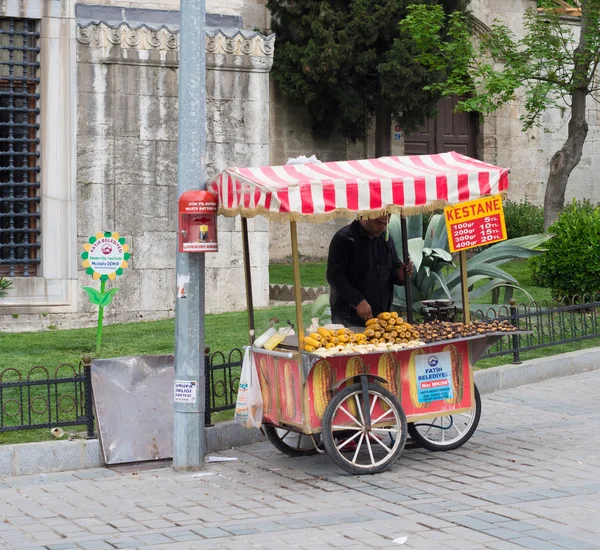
(360, 406)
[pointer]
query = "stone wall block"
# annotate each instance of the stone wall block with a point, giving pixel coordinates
(223, 258)
(157, 289)
(95, 159)
(135, 79)
(166, 82)
(129, 296)
(95, 204)
(229, 85)
(94, 78)
(140, 208)
(158, 118)
(93, 114)
(125, 115)
(135, 161)
(155, 250)
(166, 163)
(256, 117)
(226, 120)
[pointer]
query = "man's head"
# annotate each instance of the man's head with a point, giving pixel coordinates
(376, 226)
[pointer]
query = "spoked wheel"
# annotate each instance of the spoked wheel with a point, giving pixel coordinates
(351, 443)
(292, 443)
(445, 433)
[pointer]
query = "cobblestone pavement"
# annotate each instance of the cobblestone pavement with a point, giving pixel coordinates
(529, 478)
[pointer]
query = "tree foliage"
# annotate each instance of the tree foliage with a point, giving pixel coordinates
(553, 65)
(345, 59)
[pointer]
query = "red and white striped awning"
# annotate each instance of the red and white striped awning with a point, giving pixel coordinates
(317, 192)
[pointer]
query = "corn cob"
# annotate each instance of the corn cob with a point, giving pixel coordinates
(373, 321)
(457, 375)
(316, 336)
(322, 382)
(388, 369)
(384, 316)
(309, 349)
(324, 332)
(311, 342)
(394, 315)
(412, 380)
(290, 401)
(354, 367)
(264, 386)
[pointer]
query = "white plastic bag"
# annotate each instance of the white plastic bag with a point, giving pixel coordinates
(249, 405)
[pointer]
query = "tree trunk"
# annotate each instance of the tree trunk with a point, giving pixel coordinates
(565, 159)
(383, 129)
(569, 155)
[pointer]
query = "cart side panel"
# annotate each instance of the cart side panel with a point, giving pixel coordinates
(268, 385)
(437, 379)
(289, 379)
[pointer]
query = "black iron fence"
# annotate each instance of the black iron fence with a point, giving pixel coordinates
(549, 323)
(63, 397)
(46, 398)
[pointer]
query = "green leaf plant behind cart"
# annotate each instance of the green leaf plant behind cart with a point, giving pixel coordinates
(105, 256)
(435, 275)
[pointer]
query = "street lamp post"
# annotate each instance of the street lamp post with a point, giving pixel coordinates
(189, 441)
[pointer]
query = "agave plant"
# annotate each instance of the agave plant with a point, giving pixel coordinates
(435, 275)
(5, 284)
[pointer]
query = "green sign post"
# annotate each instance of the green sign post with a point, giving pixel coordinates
(105, 256)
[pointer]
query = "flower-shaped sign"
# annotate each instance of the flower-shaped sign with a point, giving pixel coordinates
(105, 256)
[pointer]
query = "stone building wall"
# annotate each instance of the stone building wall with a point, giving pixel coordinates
(124, 168)
(127, 157)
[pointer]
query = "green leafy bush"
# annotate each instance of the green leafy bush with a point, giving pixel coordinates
(5, 284)
(571, 264)
(523, 218)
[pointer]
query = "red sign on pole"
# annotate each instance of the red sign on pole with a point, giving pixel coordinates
(475, 223)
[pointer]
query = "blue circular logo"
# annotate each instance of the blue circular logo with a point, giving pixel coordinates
(432, 361)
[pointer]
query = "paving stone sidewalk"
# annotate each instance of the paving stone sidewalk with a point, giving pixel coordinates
(529, 478)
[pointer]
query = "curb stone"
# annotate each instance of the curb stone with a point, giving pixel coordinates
(60, 456)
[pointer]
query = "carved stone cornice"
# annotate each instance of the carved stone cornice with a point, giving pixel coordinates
(242, 50)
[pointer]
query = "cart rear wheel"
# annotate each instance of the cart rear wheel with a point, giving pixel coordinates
(446, 433)
(352, 445)
(292, 443)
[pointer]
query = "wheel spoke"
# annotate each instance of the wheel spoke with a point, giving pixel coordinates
(368, 440)
(346, 428)
(362, 436)
(388, 412)
(350, 415)
(340, 447)
(359, 407)
(375, 397)
(381, 443)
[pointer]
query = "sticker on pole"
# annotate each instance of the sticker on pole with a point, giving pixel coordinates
(434, 376)
(475, 223)
(185, 391)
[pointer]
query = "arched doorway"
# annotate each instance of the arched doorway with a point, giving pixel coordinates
(450, 131)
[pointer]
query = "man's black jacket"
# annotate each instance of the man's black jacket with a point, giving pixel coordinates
(361, 268)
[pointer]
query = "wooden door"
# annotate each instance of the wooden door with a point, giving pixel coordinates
(450, 131)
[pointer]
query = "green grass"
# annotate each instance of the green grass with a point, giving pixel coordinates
(312, 274)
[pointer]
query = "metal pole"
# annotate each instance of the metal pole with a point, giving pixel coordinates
(406, 259)
(297, 287)
(189, 440)
(465, 287)
(248, 277)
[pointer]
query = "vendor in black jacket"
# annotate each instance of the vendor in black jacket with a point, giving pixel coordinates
(362, 269)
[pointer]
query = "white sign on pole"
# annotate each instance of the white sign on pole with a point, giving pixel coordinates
(185, 391)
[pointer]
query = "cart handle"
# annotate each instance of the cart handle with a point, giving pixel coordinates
(289, 355)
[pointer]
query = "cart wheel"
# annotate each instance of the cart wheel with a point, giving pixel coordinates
(445, 433)
(292, 443)
(354, 447)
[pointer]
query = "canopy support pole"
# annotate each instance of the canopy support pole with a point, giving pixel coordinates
(465, 287)
(407, 281)
(248, 278)
(297, 287)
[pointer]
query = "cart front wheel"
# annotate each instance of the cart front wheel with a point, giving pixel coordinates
(445, 433)
(292, 443)
(355, 445)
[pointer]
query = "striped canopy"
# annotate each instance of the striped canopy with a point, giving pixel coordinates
(318, 192)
